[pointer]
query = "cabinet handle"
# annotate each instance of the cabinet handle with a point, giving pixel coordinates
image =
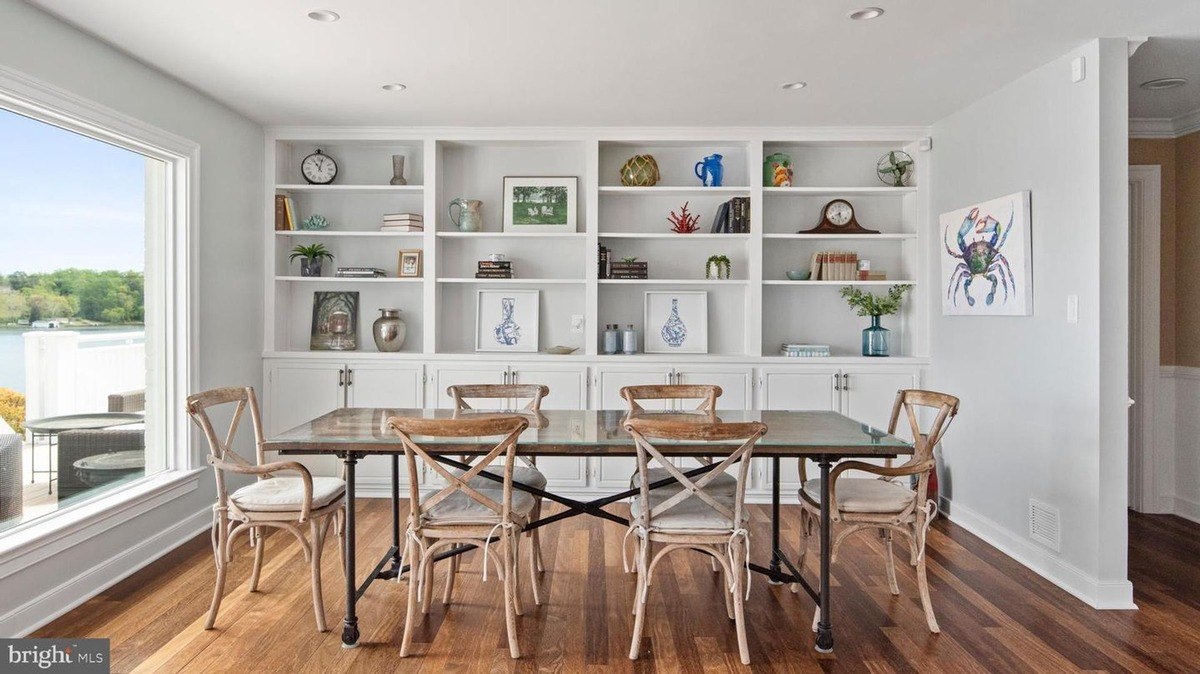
(349, 377)
(837, 382)
(845, 382)
(341, 378)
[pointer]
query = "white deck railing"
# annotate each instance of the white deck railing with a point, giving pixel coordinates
(69, 372)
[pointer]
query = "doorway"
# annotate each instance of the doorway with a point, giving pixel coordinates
(1144, 263)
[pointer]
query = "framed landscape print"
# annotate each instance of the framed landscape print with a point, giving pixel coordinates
(540, 204)
(410, 263)
(506, 320)
(676, 322)
(334, 321)
(986, 258)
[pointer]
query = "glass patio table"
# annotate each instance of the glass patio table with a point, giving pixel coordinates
(821, 436)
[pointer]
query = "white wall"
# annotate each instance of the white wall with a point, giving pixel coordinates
(1044, 412)
(230, 289)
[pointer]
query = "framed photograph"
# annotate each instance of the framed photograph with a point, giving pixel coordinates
(987, 258)
(676, 322)
(334, 321)
(410, 263)
(540, 204)
(506, 320)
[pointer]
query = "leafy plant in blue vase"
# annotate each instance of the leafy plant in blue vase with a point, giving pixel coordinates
(875, 338)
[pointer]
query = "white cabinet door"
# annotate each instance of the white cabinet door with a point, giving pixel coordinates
(568, 391)
(297, 392)
(735, 383)
(381, 385)
(868, 395)
(807, 389)
(483, 373)
(613, 473)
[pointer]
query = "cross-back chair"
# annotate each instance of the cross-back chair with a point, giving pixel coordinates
(881, 503)
(287, 503)
(695, 515)
(463, 513)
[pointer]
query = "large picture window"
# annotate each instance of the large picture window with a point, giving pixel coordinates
(89, 324)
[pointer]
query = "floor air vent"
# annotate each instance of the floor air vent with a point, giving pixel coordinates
(1044, 525)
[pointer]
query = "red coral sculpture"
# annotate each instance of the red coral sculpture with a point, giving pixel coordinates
(684, 222)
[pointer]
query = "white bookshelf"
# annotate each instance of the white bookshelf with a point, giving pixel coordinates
(749, 314)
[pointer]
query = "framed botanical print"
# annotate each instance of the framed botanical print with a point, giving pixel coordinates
(411, 263)
(676, 322)
(506, 320)
(540, 204)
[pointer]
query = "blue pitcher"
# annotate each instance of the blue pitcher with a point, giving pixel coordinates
(710, 171)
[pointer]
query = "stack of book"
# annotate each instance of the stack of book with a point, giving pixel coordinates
(285, 213)
(804, 350)
(834, 266)
(403, 222)
(733, 217)
(360, 272)
(628, 270)
(602, 260)
(494, 269)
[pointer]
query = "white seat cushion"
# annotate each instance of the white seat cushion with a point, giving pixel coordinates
(692, 515)
(527, 475)
(283, 494)
(458, 508)
(864, 495)
(723, 483)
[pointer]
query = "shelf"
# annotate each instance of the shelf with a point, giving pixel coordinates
(673, 282)
(787, 282)
(337, 279)
(514, 281)
(395, 189)
(671, 235)
(598, 359)
(886, 236)
(511, 235)
(326, 232)
(661, 190)
(881, 191)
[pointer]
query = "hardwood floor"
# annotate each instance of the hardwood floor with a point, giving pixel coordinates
(996, 616)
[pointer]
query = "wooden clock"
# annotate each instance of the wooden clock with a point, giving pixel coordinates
(838, 218)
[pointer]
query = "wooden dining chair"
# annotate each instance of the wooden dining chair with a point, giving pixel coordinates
(527, 474)
(881, 503)
(287, 503)
(462, 513)
(695, 516)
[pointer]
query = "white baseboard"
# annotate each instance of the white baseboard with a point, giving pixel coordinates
(1187, 508)
(1088, 589)
(72, 592)
(1181, 496)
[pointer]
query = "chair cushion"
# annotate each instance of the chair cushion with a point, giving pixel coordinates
(864, 495)
(692, 515)
(283, 494)
(458, 508)
(723, 483)
(526, 475)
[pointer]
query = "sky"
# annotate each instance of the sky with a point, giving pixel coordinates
(67, 200)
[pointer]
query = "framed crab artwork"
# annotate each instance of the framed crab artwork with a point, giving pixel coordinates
(986, 253)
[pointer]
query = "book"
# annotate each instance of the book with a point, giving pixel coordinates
(494, 274)
(416, 217)
(401, 228)
(290, 210)
(281, 221)
(804, 350)
(486, 265)
(602, 272)
(721, 219)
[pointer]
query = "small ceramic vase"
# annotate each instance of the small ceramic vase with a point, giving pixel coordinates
(470, 214)
(398, 170)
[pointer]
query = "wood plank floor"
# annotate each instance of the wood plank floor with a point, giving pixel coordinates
(996, 616)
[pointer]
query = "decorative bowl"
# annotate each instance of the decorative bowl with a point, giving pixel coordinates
(798, 274)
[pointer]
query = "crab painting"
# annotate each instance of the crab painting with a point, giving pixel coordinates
(980, 257)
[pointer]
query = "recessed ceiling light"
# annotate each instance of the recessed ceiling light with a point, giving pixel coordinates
(324, 15)
(1164, 83)
(394, 86)
(791, 86)
(866, 14)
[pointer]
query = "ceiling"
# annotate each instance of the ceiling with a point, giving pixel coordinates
(1165, 57)
(609, 62)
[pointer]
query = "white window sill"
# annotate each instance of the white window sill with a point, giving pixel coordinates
(43, 538)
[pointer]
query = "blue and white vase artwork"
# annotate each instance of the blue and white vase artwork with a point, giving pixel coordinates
(507, 332)
(674, 332)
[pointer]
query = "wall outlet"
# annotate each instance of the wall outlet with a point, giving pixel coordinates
(577, 323)
(1072, 308)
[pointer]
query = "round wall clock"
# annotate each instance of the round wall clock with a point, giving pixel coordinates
(318, 168)
(837, 217)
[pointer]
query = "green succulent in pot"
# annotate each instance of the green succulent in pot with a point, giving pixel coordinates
(311, 257)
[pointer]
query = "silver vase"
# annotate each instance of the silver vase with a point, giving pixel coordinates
(398, 170)
(389, 331)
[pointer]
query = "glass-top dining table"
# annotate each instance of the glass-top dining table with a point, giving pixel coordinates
(824, 437)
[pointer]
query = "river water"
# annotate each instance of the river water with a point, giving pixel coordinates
(12, 352)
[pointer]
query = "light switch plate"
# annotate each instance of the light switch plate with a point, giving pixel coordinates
(1072, 308)
(1078, 69)
(577, 323)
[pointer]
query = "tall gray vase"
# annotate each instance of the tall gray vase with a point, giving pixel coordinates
(398, 170)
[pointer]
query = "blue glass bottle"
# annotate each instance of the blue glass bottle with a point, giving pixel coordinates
(875, 339)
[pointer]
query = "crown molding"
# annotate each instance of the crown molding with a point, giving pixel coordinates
(1164, 127)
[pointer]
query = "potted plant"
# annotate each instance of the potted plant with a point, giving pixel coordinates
(875, 338)
(310, 258)
(717, 267)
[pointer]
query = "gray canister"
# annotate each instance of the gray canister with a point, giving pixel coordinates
(629, 340)
(612, 339)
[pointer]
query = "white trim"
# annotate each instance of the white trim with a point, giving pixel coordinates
(72, 592)
(1187, 509)
(1164, 127)
(1145, 184)
(1088, 589)
(1179, 372)
(644, 135)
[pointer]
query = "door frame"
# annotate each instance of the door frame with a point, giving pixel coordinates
(1145, 206)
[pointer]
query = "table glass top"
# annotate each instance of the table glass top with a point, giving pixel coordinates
(83, 422)
(363, 428)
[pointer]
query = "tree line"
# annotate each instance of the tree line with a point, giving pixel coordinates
(87, 294)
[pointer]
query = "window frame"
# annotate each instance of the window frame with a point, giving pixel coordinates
(174, 253)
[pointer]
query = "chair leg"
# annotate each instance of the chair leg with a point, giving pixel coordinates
(451, 571)
(426, 584)
(513, 549)
(926, 603)
(803, 552)
(260, 543)
(413, 554)
(533, 569)
(317, 536)
(219, 536)
(725, 581)
(739, 596)
(339, 530)
(510, 598)
(537, 551)
(891, 563)
(639, 606)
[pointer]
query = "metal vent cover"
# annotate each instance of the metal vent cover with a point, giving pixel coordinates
(1044, 526)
